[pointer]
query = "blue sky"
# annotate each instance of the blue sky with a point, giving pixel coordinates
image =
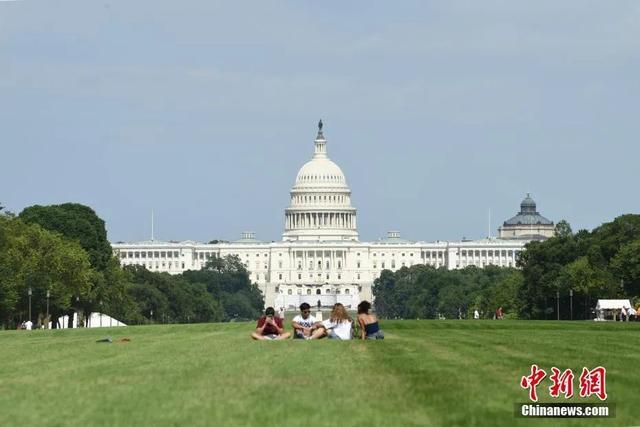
(203, 111)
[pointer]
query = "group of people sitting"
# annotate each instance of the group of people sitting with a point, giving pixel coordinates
(339, 325)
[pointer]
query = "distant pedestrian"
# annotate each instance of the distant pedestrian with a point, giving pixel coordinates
(499, 314)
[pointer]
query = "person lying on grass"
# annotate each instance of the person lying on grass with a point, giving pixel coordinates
(304, 323)
(270, 327)
(369, 328)
(338, 326)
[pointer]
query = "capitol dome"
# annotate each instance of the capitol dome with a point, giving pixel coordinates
(320, 207)
(320, 172)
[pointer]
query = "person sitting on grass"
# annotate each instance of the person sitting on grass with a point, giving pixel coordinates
(369, 328)
(338, 326)
(270, 327)
(304, 323)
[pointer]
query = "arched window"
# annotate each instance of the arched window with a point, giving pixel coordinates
(327, 291)
(346, 291)
(308, 291)
(289, 292)
(318, 292)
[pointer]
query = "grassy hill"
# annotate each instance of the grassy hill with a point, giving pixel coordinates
(425, 373)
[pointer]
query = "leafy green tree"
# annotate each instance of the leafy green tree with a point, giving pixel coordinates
(77, 222)
(626, 265)
(31, 257)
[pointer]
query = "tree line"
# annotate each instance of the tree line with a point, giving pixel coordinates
(570, 271)
(581, 268)
(57, 259)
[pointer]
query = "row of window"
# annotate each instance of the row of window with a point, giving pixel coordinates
(149, 254)
(156, 265)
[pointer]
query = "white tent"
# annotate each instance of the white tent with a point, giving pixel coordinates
(610, 304)
(96, 320)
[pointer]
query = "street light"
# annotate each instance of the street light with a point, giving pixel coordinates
(48, 295)
(30, 292)
(571, 302)
(558, 304)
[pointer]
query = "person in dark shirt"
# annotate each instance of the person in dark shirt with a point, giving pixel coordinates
(270, 327)
(369, 328)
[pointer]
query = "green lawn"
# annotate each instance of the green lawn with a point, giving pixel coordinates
(425, 373)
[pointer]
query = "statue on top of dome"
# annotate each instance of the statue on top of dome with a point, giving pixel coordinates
(320, 126)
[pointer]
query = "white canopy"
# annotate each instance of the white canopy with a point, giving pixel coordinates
(612, 304)
(96, 320)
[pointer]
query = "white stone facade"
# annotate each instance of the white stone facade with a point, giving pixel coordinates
(320, 257)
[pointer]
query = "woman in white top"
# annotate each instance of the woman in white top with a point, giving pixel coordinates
(338, 326)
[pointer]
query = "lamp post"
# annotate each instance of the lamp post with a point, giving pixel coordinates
(558, 304)
(29, 292)
(48, 295)
(151, 315)
(571, 302)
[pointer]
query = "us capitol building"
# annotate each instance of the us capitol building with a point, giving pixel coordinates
(320, 258)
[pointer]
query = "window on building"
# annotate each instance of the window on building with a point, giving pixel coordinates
(339, 276)
(337, 291)
(358, 264)
(358, 276)
(346, 291)
(339, 264)
(393, 263)
(327, 291)
(279, 276)
(327, 265)
(290, 292)
(299, 291)
(382, 265)
(299, 276)
(308, 291)
(279, 264)
(327, 276)
(318, 292)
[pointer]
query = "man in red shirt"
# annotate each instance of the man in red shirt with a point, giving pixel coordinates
(270, 327)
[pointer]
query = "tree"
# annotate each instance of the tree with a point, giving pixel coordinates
(626, 265)
(81, 224)
(31, 257)
(76, 222)
(563, 229)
